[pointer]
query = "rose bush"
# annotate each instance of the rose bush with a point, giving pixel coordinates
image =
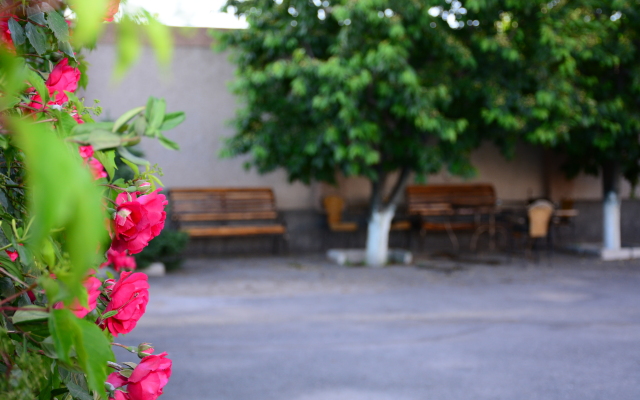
(59, 312)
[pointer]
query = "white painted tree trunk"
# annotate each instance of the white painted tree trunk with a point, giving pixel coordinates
(611, 221)
(377, 251)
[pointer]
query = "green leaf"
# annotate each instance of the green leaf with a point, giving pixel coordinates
(109, 314)
(78, 392)
(12, 76)
(89, 20)
(75, 101)
(155, 113)
(134, 167)
(45, 391)
(66, 48)
(76, 383)
(140, 126)
(63, 195)
(65, 123)
(34, 313)
(171, 120)
(124, 118)
(38, 18)
(127, 44)
(160, 38)
(38, 84)
(169, 144)
(134, 159)
(91, 345)
(12, 267)
(86, 129)
(62, 328)
(58, 25)
(99, 138)
(37, 38)
(107, 159)
(94, 352)
(17, 32)
(156, 180)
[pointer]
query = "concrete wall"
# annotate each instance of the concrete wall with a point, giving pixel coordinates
(196, 83)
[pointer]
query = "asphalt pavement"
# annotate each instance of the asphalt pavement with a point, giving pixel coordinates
(301, 328)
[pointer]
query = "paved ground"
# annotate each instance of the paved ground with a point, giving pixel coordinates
(302, 329)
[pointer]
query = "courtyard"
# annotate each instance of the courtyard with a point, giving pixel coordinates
(301, 328)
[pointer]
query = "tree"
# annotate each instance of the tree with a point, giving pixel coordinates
(365, 87)
(579, 93)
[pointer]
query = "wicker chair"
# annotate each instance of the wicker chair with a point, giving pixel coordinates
(536, 227)
(334, 206)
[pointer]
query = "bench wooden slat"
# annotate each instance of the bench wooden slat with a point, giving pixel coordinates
(239, 230)
(236, 216)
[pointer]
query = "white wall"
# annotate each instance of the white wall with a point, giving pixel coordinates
(197, 84)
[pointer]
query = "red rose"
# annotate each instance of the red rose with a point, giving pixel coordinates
(5, 33)
(120, 395)
(93, 292)
(119, 260)
(13, 255)
(112, 9)
(63, 77)
(129, 297)
(96, 168)
(149, 377)
(138, 220)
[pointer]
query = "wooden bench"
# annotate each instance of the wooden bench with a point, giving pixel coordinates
(451, 207)
(227, 212)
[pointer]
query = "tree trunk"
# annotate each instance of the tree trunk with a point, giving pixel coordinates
(380, 216)
(611, 205)
(378, 236)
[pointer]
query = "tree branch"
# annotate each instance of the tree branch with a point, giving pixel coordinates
(377, 187)
(394, 197)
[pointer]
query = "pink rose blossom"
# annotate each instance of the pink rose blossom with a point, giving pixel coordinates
(5, 33)
(77, 116)
(86, 151)
(93, 292)
(120, 395)
(96, 168)
(138, 220)
(116, 379)
(62, 78)
(149, 377)
(129, 297)
(119, 260)
(13, 255)
(112, 9)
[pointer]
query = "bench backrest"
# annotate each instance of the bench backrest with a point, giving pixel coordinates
(428, 197)
(222, 204)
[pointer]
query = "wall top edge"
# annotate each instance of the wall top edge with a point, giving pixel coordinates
(182, 36)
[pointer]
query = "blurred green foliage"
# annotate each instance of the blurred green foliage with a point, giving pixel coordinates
(367, 87)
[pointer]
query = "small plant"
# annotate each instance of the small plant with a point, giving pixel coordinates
(166, 248)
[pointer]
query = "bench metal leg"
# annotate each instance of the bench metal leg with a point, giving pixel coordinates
(452, 236)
